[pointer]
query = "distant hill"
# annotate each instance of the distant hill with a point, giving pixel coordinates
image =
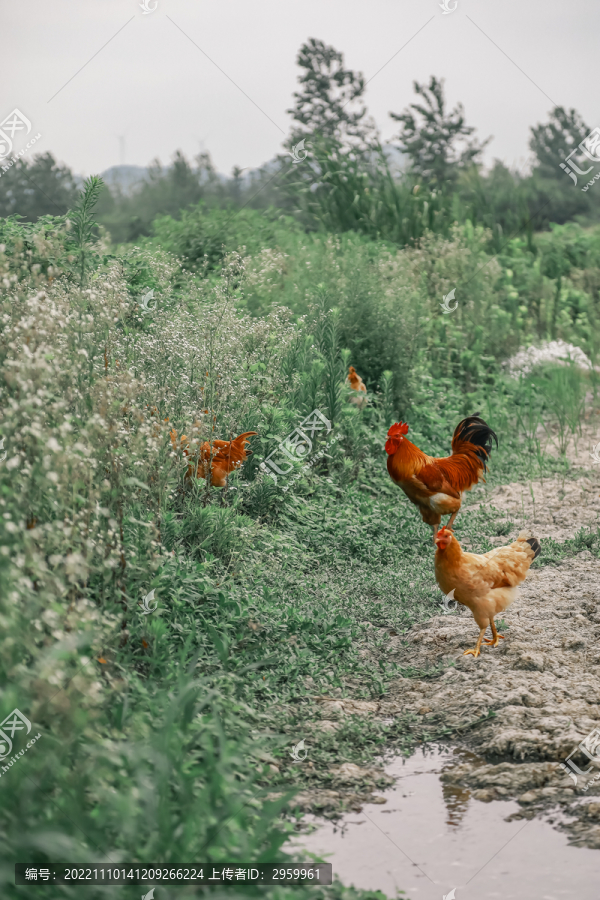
(125, 178)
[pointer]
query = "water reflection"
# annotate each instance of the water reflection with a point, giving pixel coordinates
(431, 837)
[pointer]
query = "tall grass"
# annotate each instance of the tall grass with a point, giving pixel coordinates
(565, 391)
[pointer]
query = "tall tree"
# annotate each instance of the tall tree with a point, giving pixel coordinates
(37, 187)
(330, 104)
(436, 141)
(553, 141)
(556, 191)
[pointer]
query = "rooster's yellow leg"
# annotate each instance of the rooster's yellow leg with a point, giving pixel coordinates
(476, 651)
(495, 635)
(450, 521)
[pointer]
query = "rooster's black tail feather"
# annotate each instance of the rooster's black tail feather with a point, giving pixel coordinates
(476, 431)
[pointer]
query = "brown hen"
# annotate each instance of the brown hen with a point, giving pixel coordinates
(485, 582)
(220, 458)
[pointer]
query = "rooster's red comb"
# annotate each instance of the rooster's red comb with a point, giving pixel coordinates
(397, 429)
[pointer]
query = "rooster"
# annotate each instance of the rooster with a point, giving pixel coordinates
(219, 458)
(485, 582)
(436, 485)
(358, 385)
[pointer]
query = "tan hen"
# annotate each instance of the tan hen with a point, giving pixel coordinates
(484, 582)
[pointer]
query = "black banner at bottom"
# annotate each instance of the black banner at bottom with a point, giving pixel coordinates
(196, 873)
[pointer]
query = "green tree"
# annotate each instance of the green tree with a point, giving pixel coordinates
(553, 141)
(436, 141)
(330, 102)
(498, 199)
(555, 193)
(331, 135)
(37, 187)
(167, 191)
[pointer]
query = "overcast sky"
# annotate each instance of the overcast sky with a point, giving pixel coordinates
(219, 74)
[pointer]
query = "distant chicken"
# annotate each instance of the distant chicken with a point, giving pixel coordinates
(357, 384)
(226, 456)
(485, 582)
(436, 484)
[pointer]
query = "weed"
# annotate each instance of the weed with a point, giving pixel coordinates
(82, 223)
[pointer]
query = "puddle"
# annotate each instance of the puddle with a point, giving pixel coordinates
(430, 837)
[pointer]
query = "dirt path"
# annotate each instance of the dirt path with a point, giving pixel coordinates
(538, 693)
(541, 686)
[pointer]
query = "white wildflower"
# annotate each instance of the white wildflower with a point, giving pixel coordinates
(560, 352)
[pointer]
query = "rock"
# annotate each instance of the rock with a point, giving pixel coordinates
(350, 772)
(528, 797)
(506, 778)
(308, 800)
(529, 661)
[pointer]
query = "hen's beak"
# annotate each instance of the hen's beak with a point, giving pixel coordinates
(442, 540)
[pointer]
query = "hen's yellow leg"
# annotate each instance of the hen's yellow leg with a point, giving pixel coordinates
(476, 650)
(495, 635)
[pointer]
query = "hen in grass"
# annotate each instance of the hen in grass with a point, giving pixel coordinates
(358, 399)
(436, 484)
(220, 458)
(485, 582)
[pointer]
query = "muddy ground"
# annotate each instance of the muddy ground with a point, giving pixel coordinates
(520, 709)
